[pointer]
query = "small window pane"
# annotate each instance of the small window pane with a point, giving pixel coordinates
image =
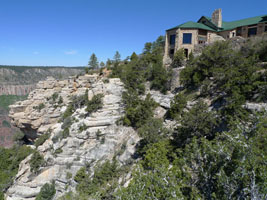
(252, 31)
(187, 38)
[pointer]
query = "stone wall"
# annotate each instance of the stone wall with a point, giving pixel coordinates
(190, 47)
(217, 17)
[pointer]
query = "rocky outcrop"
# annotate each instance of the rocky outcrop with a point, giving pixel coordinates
(100, 138)
(164, 100)
(259, 107)
(29, 115)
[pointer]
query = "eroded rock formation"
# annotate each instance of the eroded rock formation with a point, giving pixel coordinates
(99, 141)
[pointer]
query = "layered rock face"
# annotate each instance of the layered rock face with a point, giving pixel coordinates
(100, 140)
(20, 90)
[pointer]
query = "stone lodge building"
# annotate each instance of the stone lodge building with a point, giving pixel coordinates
(208, 30)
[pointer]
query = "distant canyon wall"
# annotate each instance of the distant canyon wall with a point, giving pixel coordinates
(22, 80)
(20, 90)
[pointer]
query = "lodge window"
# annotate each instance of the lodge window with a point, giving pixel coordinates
(233, 34)
(187, 38)
(265, 29)
(172, 39)
(252, 31)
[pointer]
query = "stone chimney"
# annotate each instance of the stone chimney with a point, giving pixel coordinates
(217, 17)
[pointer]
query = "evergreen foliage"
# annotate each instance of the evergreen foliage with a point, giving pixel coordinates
(6, 100)
(102, 64)
(137, 111)
(99, 184)
(216, 151)
(9, 164)
(212, 154)
(42, 139)
(47, 192)
(198, 122)
(37, 161)
(178, 104)
(178, 58)
(79, 101)
(93, 62)
(117, 57)
(95, 103)
(146, 67)
(18, 137)
(229, 75)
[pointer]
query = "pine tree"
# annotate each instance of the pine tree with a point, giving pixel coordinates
(133, 56)
(93, 62)
(147, 48)
(102, 64)
(117, 57)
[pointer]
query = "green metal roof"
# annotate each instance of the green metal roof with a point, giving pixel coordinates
(225, 25)
(195, 25)
(243, 22)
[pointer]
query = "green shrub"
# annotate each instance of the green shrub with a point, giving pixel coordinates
(103, 139)
(2, 197)
(82, 128)
(105, 177)
(255, 46)
(177, 105)
(6, 124)
(69, 175)
(9, 163)
(95, 103)
(60, 101)
(68, 112)
(122, 149)
(233, 76)
(152, 131)
(106, 80)
(178, 58)
(159, 78)
(81, 175)
(137, 111)
(18, 136)
(198, 122)
(67, 122)
(66, 133)
(58, 151)
(37, 161)
(47, 192)
(39, 107)
(98, 134)
(54, 96)
(77, 102)
(42, 139)
(7, 100)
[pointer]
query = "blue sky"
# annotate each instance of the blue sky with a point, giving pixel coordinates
(67, 32)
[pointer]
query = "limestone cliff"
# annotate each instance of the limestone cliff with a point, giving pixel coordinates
(100, 138)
